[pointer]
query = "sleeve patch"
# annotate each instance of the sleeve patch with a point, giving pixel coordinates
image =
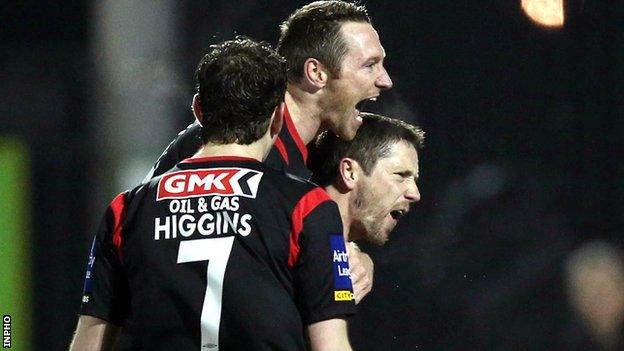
(88, 284)
(342, 277)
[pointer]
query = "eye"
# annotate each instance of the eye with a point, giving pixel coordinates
(405, 175)
(402, 175)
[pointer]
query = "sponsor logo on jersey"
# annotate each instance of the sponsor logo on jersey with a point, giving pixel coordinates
(343, 295)
(342, 276)
(212, 181)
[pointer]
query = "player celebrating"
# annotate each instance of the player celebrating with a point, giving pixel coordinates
(222, 252)
(335, 63)
(372, 177)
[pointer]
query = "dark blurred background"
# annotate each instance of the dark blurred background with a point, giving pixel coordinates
(520, 171)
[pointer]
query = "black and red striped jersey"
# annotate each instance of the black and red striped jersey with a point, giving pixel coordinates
(289, 153)
(219, 253)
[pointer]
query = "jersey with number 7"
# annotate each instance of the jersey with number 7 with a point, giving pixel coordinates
(219, 253)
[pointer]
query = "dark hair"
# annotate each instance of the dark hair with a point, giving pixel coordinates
(240, 82)
(314, 31)
(373, 140)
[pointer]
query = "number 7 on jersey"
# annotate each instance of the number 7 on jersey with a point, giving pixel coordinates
(217, 252)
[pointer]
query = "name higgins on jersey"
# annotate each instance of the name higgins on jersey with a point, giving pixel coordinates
(205, 201)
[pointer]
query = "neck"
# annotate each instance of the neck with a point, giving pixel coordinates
(342, 199)
(304, 112)
(257, 150)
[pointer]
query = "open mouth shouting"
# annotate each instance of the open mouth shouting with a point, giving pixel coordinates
(397, 214)
(360, 106)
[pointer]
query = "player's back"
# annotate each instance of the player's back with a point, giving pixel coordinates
(213, 254)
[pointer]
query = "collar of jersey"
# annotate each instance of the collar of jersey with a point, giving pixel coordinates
(290, 125)
(219, 159)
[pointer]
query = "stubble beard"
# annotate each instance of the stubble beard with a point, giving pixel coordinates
(367, 224)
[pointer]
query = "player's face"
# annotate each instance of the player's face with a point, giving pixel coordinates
(362, 77)
(386, 194)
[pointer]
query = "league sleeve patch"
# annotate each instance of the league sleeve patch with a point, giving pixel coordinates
(342, 277)
(88, 284)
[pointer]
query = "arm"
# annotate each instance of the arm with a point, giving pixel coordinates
(105, 297)
(93, 334)
(330, 335)
(321, 274)
(362, 268)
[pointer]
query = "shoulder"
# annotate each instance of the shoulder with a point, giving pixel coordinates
(193, 128)
(190, 136)
(287, 181)
(282, 190)
(184, 145)
(133, 197)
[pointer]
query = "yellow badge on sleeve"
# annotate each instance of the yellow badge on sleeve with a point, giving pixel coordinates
(343, 295)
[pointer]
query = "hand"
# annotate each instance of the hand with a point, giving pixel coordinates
(362, 268)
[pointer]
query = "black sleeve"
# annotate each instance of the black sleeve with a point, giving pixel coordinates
(322, 280)
(106, 293)
(185, 145)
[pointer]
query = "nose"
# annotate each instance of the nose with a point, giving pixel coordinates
(383, 82)
(412, 194)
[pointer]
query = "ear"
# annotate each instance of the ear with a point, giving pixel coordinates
(314, 73)
(278, 119)
(197, 110)
(348, 173)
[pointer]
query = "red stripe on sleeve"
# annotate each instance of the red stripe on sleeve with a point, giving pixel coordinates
(305, 205)
(279, 144)
(295, 135)
(118, 206)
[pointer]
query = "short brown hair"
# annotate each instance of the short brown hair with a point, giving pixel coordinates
(314, 31)
(373, 140)
(240, 83)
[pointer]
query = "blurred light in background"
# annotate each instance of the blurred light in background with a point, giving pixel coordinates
(545, 12)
